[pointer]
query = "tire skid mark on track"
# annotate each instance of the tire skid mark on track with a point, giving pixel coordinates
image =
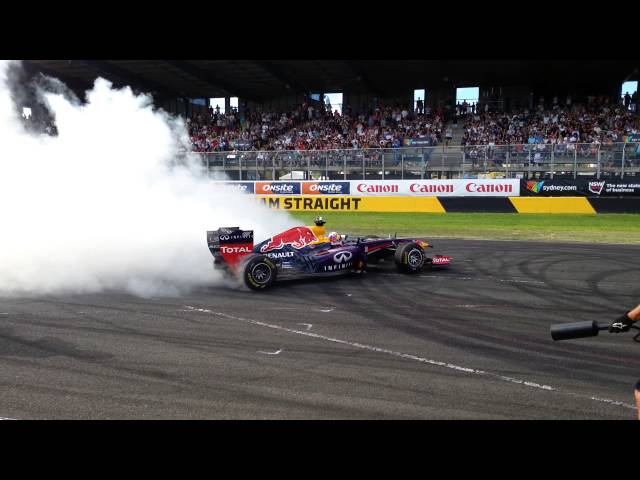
(597, 284)
(129, 372)
(533, 282)
(564, 296)
(407, 356)
(507, 340)
(490, 339)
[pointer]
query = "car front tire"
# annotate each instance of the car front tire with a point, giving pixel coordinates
(410, 258)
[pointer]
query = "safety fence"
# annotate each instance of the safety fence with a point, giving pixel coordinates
(532, 160)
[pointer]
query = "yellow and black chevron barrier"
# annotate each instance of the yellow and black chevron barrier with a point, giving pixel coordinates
(548, 205)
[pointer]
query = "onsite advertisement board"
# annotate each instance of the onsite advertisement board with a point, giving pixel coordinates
(573, 188)
(389, 188)
(326, 188)
(277, 188)
(244, 187)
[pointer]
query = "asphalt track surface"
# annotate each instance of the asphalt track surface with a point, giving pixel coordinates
(470, 342)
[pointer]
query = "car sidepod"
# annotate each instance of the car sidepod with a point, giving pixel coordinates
(338, 260)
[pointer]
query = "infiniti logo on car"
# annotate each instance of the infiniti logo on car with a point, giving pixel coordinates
(342, 257)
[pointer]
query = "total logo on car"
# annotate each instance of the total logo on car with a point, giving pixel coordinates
(235, 250)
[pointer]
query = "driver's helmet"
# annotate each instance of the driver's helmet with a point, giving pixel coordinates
(335, 238)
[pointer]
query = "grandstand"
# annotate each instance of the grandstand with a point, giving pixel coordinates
(112, 308)
(273, 121)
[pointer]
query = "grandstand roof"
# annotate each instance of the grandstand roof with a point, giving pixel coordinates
(263, 79)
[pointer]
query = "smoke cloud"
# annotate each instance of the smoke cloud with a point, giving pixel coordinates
(112, 202)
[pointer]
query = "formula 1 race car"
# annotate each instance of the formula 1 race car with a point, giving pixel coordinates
(299, 253)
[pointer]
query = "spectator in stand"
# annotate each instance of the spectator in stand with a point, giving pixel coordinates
(591, 124)
(379, 128)
(387, 126)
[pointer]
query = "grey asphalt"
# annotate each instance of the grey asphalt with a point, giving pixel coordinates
(470, 342)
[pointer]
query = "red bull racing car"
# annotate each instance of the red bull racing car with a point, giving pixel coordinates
(300, 252)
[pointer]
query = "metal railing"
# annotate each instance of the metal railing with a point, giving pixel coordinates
(573, 160)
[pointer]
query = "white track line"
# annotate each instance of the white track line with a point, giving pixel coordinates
(410, 357)
(516, 280)
(492, 279)
(277, 352)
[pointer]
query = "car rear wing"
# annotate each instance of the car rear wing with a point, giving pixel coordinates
(229, 245)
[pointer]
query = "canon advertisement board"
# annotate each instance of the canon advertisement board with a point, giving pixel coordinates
(437, 188)
(573, 188)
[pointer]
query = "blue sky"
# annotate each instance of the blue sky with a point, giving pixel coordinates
(629, 87)
(336, 101)
(470, 94)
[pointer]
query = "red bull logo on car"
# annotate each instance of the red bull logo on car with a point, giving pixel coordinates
(297, 237)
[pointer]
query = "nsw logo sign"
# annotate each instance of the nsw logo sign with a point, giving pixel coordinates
(596, 187)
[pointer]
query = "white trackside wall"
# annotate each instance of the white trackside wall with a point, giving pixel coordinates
(437, 188)
(383, 188)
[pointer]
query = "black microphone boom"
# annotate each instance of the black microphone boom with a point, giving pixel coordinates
(567, 331)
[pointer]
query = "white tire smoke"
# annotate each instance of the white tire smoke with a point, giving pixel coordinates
(103, 205)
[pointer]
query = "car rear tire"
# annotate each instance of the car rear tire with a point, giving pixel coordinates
(259, 272)
(410, 258)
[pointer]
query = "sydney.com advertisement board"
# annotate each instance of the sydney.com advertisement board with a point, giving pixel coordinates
(578, 188)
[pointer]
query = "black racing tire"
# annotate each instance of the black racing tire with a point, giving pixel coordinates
(258, 272)
(410, 258)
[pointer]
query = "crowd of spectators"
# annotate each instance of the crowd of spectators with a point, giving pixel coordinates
(597, 122)
(217, 131)
(315, 127)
